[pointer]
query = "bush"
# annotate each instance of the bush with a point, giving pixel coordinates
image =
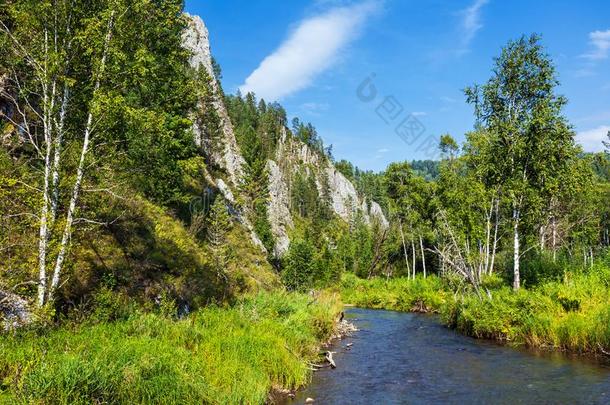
(541, 268)
(421, 294)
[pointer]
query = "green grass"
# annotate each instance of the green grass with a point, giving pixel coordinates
(216, 355)
(399, 294)
(572, 314)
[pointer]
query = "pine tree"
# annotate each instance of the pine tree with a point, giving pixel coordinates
(218, 225)
(299, 265)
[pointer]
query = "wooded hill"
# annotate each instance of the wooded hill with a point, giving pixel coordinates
(125, 167)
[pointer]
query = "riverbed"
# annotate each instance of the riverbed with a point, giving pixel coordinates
(405, 358)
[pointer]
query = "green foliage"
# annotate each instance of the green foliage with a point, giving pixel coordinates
(207, 118)
(300, 267)
(525, 146)
(448, 146)
(217, 355)
(428, 169)
(108, 306)
(601, 166)
(541, 268)
(258, 127)
(308, 134)
(305, 198)
(218, 223)
(400, 294)
(346, 168)
(262, 227)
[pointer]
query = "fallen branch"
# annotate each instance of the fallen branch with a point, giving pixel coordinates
(329, 359)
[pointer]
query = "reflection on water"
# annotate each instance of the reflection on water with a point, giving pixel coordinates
(410, 358)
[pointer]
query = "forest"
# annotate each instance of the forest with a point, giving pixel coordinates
(122, 261)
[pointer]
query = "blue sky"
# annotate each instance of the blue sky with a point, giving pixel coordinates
(382, 80)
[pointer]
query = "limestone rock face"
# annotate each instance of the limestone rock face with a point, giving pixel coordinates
(343, 195)
(376, 213)
(278, 208)
(196, 39)
(291, 155)
(344, 198)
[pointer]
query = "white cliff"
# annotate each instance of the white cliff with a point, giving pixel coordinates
(278, 208)
(291, 155)
(196, 39)
(344, 198)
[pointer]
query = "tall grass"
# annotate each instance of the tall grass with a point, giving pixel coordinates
(399, 294)
(216, 355)
(572, 314)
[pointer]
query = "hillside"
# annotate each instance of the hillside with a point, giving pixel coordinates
(203, 212)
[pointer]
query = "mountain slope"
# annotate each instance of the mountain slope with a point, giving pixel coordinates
(291, 156)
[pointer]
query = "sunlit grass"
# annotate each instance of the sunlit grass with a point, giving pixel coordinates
(216, 355)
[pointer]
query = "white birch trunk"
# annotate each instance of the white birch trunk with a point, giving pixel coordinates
(404, 247)
(516, 258)
(488, 237)
(494, 249)
(44, 213)
(79, 173)
(423, 256)
(554, 238)
(413, 255)
(57, 146)
(44, 210)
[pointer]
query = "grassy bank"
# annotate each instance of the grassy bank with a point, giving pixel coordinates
(216, 355)
(572, 314)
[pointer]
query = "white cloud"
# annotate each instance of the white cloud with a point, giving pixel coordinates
(591, 140)
(584, 72)
(309, 50)
(312, 108)
(419, 113)
(383, 150)
(471, 23)
(600, 41)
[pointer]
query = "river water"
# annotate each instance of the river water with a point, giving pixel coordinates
(404, 358)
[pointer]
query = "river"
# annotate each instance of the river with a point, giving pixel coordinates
(399, 358)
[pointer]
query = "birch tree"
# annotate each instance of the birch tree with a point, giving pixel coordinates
(41, 74)
(528, 137)
(467, 214)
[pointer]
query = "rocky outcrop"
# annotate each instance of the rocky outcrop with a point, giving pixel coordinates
(343, 195)
(196, 40)
(344, 198)
(376, 213)
(278, 208)
(291, 155)
(14, 311)
(226, 155)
